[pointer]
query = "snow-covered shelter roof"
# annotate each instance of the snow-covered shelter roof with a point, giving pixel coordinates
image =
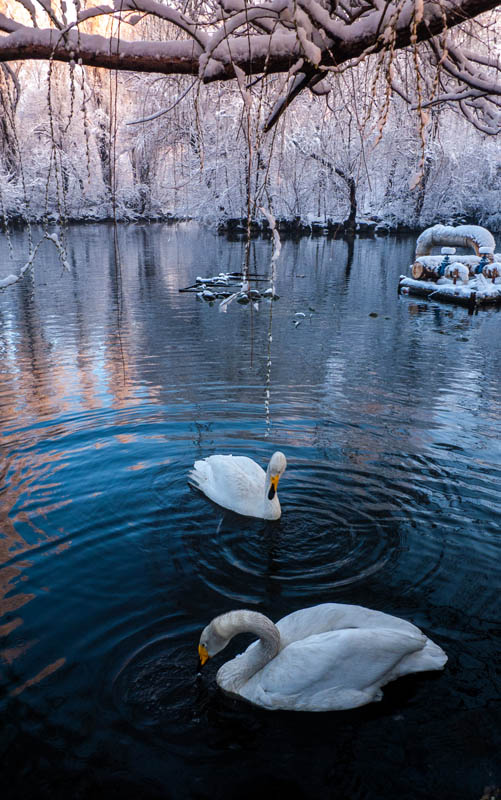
(460, 236)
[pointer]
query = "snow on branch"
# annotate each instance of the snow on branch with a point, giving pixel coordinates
(163, 12)
(9, 280)
(30, 8)
(47, 7)
(473, 82)
(228, 39)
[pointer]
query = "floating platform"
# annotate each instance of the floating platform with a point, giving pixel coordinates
(471, 280)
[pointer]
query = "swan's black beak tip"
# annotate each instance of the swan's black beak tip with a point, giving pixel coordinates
(273, 486)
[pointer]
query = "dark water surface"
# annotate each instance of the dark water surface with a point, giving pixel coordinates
(388, 411)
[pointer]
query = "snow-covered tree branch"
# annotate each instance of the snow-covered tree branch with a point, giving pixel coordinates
(306, 38)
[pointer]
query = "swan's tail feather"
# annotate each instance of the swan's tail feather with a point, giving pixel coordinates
(434, 655)
(430, 657)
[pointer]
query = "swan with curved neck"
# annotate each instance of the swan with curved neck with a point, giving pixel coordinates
(241, 485)
(328, 657)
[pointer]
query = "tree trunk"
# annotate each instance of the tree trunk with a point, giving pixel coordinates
(350, 222)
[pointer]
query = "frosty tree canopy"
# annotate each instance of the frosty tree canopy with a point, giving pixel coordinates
(223, 39)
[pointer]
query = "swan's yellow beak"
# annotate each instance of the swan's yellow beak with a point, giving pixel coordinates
(273, 486)
(202, 654)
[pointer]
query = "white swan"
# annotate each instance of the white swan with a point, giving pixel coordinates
(324, 658)
(238, 483)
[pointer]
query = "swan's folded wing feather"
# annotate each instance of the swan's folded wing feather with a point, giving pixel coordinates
(250, 468)
(336, 616)
(231, 481)
(350, 663)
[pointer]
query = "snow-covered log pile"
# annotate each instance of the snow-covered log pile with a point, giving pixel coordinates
(472, 280)
(428, 267)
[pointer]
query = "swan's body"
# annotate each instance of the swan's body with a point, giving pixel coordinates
(325, 658)
(238, 483)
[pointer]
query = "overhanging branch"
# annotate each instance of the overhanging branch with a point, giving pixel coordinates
(252, 53)
(325, 39)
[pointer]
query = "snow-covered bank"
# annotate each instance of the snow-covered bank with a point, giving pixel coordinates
(231, 227)
(314, 226)
(19, 220)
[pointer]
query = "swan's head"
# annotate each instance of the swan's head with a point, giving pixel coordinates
(222, 629)
(276, 469)
(211, 642)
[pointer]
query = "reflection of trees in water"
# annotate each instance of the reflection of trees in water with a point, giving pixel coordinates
(66, 340)
(393, 381)
(69, 342)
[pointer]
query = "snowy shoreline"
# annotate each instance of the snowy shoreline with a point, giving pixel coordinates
(234, 227)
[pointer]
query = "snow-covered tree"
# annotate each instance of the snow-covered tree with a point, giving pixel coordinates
(210, 139)
(305, 40)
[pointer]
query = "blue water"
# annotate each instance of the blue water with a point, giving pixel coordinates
(112, 383)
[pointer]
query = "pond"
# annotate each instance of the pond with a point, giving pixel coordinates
(112, 384)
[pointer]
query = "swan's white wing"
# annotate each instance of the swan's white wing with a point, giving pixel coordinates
(337, 616)
(335, 670)
(250, 468)
(235, 482)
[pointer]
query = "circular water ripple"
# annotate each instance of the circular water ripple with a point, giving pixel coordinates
(114, 565)
(158, 684)
(321, 543)
(158, 689)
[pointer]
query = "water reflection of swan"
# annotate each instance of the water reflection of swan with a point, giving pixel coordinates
(324, 658)
(238, 483)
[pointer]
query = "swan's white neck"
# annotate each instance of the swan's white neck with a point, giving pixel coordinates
(234, 674)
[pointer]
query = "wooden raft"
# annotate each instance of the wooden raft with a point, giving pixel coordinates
(471, 280)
